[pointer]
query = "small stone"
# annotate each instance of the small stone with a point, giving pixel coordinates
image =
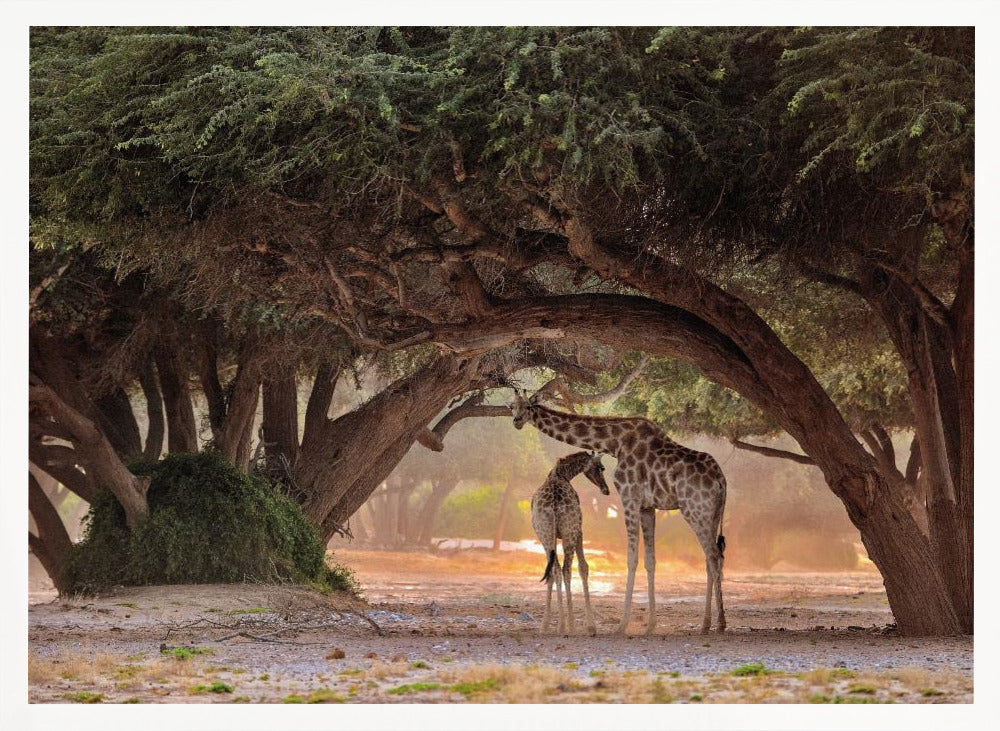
(336, 654)
(434, 609)
(370, 655)
(398, 657)
(525, 617)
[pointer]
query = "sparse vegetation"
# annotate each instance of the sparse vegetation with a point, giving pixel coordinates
(85, 696)
(750, 669)
(409, 688)
(215, 687)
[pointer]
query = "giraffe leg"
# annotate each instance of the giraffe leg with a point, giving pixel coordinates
(648, 520)
(704, 528)
(584, 573)
(567, 571)
(558, 578)
(632, 529)
(548, 597)
(706, 623)
(720, 624)
(721, 621)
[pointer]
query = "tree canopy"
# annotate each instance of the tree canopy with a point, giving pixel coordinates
(785, 213)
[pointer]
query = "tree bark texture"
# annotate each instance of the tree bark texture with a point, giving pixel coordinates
(182, 433)
(55, 389)
(153, 447)
(52, 544)
(281, 418)
(354, 454)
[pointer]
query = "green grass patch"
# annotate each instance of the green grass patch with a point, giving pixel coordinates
(351, 671)
(250, 610)
(930, 692)
(473, 688)
(861, 689)
(696, 698)
(842, 673)
(263, 676)
(751, 669)
(322, 695)
(240, 699)
(85, 696)
(133, 699)
(131, 605)
(413, 688)
(419, 665)
(184, 653)
(217, 687)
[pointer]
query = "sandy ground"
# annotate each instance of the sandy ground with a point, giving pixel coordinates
(458, 626)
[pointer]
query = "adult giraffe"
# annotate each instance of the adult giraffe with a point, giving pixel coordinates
(653, 473)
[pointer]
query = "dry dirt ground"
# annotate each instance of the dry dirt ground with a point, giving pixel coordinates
(463, 626)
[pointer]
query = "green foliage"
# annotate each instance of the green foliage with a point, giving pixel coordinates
(185, 653)
(751, 668)
(473, 513)
(409, 688)
(207, 522)
(85, 696)
(216, 687)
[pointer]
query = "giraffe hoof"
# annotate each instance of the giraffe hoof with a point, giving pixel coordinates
(592, 630)
(705, 629)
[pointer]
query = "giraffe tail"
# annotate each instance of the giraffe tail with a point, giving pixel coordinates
(721, 540)
(548, 567)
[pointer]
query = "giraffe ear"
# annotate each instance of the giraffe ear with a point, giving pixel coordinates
(534, 399)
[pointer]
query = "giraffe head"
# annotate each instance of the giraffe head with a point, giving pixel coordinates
(595, 472)
(521, 406)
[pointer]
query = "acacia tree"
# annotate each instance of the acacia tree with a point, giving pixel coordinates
(475, 188)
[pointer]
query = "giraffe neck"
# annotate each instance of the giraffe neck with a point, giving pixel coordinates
(571, 465)
(589, 432)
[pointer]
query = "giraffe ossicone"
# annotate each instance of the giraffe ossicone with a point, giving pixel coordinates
(653, 473)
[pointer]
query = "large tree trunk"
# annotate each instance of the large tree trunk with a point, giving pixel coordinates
(52, 544)
(354, 454)
(182, 433)
(281, 419)
(937, 394)
(318, 407)
(154, 412)
(117, 421)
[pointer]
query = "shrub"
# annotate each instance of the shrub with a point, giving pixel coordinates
(208, 522)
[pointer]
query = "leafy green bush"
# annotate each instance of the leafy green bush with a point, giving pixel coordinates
(207, 522)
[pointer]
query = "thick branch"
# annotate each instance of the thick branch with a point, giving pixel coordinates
(96, 452)
(913, 463)
(472, 407)
(772, 452)
(52, 544)
(154, 411)
(573, 398)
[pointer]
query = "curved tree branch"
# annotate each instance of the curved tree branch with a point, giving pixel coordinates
(773, 452)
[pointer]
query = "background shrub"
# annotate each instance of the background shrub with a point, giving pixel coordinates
(208, 522)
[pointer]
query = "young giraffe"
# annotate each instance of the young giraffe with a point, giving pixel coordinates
(555, 513)
(653, 473)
